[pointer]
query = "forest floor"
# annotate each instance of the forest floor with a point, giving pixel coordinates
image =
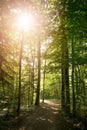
(45, 117)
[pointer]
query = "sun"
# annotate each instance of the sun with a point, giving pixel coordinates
(26, 22)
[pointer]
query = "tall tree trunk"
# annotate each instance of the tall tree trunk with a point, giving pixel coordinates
(73, 85)
(63, 90)
(39, 75)
(65, 93)
(67, 82)
(20, 67)
(32, 81)
(2, 57)
(44, 75)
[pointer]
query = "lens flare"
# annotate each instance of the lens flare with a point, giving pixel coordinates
(26, 22)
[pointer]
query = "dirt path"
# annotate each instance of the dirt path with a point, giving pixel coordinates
(46, 117)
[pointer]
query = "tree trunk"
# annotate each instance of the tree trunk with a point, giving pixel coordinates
(44, 75)
(20, 67)
(63, 90)
(65, 98)
(39, 75)
(32, 81)
(73, 85)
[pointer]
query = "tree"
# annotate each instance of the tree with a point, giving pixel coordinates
(39, 74)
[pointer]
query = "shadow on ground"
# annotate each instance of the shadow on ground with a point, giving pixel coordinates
(46, 117)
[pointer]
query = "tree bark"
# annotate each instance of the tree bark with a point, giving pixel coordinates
(44, 76)
(65, 92)
(73, 85)
(20, 68)
(39, 75)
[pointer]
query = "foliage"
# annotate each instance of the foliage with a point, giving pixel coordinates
(54, 54)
